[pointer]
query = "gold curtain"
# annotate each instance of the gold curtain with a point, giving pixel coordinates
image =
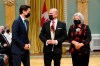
(34, 25)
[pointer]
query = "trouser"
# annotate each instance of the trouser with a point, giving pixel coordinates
(80, 59)
(48, 57)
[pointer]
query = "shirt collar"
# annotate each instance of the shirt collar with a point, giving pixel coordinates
(56, 20)
(22, 18)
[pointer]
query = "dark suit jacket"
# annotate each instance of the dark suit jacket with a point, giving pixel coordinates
(1, 61)
(60, 36)
(19, 36)
(2, 41)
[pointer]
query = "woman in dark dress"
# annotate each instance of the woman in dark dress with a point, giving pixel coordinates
(79, 36)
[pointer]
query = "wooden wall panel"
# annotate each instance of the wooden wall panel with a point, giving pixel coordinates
(10, 14)
(83, 8)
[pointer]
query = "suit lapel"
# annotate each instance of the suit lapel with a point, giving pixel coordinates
(57, 26)
(27, 25)
(22, 23)
(48, 28)
(58, 23)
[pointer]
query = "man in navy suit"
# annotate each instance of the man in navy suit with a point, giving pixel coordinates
(20, 42)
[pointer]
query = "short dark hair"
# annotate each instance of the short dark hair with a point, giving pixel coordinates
(23, 7)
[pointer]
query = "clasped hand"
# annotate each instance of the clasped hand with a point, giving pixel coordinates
(27, 46)
(77, 44)
(51, 41)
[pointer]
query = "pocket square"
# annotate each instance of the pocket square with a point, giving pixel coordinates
(59, 28)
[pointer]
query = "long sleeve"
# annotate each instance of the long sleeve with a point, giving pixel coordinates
(88, 36)
(69, 35)
(15, 28)
(27, 32)
(42, 34)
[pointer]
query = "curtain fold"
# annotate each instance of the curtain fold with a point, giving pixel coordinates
(34, 21)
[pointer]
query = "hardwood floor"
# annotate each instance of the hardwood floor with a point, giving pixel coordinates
(94, 61)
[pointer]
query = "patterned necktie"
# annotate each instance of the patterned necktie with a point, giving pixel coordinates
(53, 26)
(25, 25)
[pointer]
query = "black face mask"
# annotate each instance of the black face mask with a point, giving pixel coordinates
(3, 32)
(28, 15)
(51, 17)
(7, 30)
(76, 22)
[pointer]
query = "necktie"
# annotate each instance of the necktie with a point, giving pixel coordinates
(5, 39)
(25, 25)
(53, 26)
(53, 33)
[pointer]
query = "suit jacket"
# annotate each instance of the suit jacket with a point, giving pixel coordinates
(19, 36)
(60, 36)
(3, 41)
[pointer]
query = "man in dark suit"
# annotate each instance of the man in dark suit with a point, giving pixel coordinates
(3, 48)
(20, 41)
(53, 33)
(1, 62)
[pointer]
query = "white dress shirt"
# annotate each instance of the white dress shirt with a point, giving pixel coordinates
(53, 34)
(22, 18)
(8, 37)
(56, 20)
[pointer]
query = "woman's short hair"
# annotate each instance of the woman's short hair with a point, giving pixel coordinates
(80, 16)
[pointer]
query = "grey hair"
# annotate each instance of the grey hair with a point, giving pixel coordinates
(2, 27)
(54, 10)
(80, 16)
